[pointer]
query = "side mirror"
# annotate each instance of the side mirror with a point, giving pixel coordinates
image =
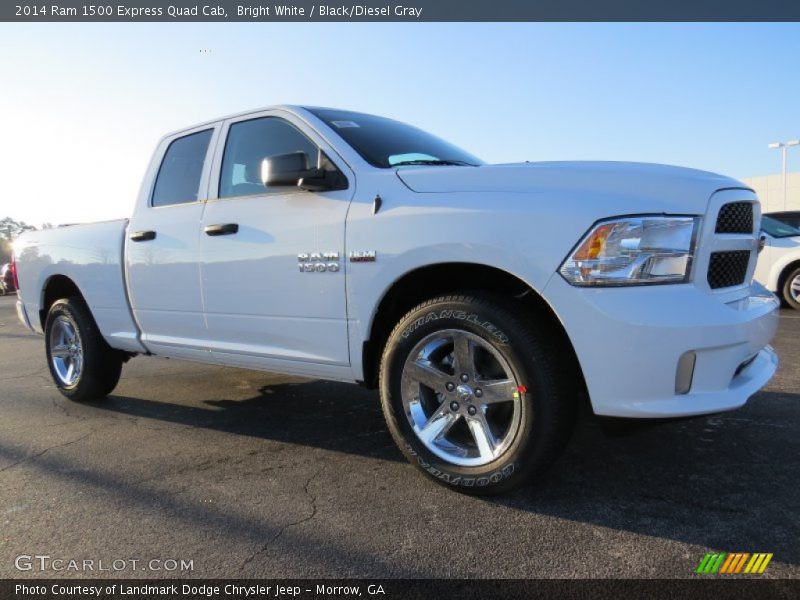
(284, 169)
(291, 169)
(762, 241)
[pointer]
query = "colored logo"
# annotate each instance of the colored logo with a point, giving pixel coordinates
(732, 563)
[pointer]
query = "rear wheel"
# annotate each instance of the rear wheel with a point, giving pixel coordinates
(791, 289)
(474, 395)
(82, 364)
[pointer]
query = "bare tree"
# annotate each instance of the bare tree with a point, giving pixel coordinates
(9, 230)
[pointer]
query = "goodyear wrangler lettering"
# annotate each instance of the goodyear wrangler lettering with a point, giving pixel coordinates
(457, 314)
(453, 479)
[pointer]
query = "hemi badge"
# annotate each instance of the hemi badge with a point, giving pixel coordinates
(362, 256)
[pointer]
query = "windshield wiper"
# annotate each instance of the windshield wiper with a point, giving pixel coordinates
(454, 163)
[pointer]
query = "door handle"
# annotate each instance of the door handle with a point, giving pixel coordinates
(222, 229)
(143, 236)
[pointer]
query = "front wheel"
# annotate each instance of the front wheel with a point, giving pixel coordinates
(791, 289)
(473, 393)
(82, 364)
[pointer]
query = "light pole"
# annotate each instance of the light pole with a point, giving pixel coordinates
(784, 146)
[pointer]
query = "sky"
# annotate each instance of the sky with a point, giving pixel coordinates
(83, 105)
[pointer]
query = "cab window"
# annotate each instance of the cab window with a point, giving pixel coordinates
(248, 144)
(178, 179)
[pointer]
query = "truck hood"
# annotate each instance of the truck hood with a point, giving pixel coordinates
(670, 188)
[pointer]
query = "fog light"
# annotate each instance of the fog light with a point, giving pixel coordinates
(685, 372)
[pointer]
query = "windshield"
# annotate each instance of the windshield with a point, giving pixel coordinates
(777, 229)
(386, 143)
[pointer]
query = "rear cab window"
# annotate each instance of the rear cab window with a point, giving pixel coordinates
(178, 179)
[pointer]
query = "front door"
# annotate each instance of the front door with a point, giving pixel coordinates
(272, 259)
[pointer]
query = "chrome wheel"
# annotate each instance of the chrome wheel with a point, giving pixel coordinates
(66, 351)
(794, 288)
(461, 398)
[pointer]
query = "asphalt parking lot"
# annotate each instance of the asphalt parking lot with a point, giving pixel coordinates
(249, 474)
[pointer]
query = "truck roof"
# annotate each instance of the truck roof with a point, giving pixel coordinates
(287, 107)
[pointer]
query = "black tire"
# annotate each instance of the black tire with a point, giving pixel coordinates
(786, 291)
(546, 403)
(101, 365)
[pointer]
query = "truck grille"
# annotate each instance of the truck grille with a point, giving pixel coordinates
(726, 269)
(735, 217)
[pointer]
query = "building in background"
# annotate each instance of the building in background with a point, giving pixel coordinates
(770, 191)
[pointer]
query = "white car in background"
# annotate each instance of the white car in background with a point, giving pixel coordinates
(778, 267)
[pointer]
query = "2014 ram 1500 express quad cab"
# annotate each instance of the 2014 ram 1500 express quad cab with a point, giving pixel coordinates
(483, 300)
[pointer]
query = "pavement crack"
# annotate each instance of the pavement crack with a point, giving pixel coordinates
(204, 465)
(38, 454)
(37, 373)
(313, 513)
(60, 406)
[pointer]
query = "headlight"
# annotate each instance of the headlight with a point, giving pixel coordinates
(633, 251)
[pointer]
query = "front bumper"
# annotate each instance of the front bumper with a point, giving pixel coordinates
(629, 342)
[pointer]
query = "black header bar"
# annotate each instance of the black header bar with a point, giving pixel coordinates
(401, 10)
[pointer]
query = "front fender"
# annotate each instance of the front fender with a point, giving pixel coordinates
(410, 237)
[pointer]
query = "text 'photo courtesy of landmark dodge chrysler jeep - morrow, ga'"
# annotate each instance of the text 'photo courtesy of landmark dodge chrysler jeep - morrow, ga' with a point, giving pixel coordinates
(482, 300)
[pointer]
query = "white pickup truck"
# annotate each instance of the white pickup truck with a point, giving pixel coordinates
(482, 300)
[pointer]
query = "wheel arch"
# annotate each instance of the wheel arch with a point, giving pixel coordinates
(784, 275)
(56, 287)
(426, 282)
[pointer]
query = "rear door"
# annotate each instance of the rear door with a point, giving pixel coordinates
(264, 307)
(162, 248)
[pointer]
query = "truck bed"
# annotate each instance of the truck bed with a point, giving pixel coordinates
(91, 255)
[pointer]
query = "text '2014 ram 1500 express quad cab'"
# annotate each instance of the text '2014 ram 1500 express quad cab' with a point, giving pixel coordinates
(482, 300)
